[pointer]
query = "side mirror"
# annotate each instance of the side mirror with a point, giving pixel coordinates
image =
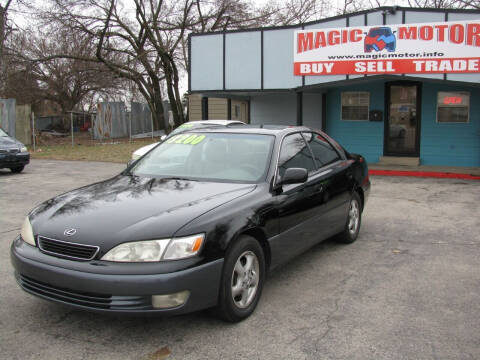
(163, 137)
(294, 176)
(130, 162)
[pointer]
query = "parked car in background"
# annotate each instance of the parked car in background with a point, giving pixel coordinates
(195, 223)
(184, 127)
(13, 154)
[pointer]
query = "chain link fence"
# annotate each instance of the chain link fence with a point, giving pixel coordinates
(111, 123)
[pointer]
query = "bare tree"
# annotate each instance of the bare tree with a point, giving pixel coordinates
(3, 30)
(301, 11)
(145, 41)
(64, 81)
(445, 4)
(129, 42)
(349, 6)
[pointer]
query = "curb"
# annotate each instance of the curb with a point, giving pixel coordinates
(429, 174)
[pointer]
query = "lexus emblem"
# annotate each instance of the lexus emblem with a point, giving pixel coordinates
(70, 232)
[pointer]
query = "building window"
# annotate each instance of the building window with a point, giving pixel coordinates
(453, 107)
(355, 105)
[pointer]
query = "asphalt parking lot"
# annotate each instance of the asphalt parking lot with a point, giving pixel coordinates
(409, 288)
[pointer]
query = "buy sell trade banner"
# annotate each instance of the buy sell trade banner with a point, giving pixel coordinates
(445, 47)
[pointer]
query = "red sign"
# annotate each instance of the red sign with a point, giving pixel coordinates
(448, 47)
(396, 66)
(450, 100)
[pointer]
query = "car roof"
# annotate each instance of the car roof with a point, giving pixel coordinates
(215, 122)
(277, 130)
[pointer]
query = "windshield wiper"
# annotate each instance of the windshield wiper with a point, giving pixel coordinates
(177, 178)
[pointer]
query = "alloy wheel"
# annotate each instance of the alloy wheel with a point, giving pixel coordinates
(353, 217)
(245, 279)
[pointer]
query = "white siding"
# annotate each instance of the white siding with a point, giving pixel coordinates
(243, 60)
(312, 110)
(278, 109)
(194, 107)
(207, 62)
(217, 109)
(278, 60)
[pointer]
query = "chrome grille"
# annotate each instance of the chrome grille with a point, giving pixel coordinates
(9, 151)
(67, 249)
(85, 299)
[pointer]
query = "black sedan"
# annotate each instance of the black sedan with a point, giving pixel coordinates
(13, 154)
(196, 223)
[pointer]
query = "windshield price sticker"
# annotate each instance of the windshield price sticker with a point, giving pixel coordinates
(186, 139)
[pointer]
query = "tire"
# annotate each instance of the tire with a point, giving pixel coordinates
(354, 221)
(246, 281)
(17, 169)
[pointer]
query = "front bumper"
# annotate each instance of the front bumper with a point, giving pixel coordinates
(14, 160)
(113, 293)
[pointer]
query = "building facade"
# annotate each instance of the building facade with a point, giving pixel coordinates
(212, 108)
(387, 83)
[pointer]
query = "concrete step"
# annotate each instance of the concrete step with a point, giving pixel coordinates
(399, 160)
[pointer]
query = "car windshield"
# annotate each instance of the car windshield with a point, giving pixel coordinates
(3, 133)
(224, 157)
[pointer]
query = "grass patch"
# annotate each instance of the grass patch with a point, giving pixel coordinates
(115, 152)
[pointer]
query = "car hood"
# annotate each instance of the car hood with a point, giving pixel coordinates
(130, 208)
(6, 142)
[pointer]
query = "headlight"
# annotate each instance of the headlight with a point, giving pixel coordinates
(23, 149)
(138, 251)
(27, 233)
(156, 250)
(181, 248)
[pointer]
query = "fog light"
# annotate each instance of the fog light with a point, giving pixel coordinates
(170, 300)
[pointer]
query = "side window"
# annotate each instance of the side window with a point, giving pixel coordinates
(323, 152)
(295, 154)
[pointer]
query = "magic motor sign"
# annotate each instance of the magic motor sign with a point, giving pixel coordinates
(445, 47)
